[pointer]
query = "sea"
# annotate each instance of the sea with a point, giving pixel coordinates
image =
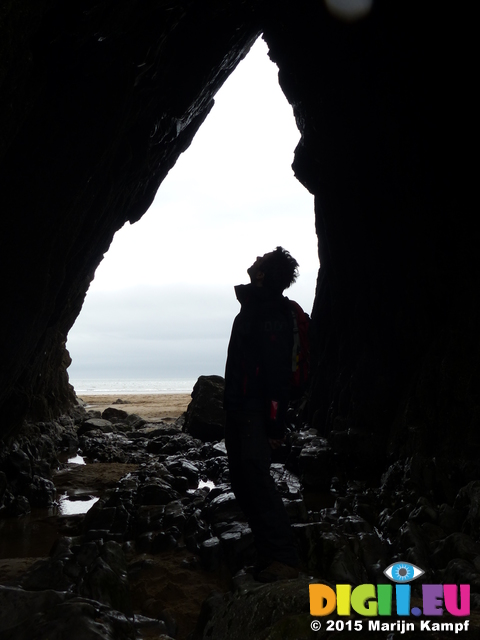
(140, 386)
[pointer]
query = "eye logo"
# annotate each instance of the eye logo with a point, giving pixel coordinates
(403, 572)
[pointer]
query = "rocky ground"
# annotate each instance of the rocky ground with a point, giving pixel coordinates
(160, 554)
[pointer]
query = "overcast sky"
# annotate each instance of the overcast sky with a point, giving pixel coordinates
(162, 301)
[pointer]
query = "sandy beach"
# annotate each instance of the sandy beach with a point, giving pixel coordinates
(155, 406)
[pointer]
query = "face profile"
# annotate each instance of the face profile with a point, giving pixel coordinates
(255, 270)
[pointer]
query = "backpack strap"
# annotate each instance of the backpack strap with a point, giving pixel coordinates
(296, 340)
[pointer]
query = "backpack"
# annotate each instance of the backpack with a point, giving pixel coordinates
(301, 349)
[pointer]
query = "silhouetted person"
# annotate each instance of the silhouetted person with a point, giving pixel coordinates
(257, 386)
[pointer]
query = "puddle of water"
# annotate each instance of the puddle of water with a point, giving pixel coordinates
(30, 536)
(69, 506)
(67, 457)
(206, 483)
(76, 460)
(203, 483)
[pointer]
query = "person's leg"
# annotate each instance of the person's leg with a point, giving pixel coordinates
(249, 459)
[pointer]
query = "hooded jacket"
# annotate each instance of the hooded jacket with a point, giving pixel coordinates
(259, 361)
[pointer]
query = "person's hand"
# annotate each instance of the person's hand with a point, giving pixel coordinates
(275, 443)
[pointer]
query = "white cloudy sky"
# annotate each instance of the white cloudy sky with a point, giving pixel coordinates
(162, 302)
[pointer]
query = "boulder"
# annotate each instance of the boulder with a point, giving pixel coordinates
(278, 610)
(114, 415)
(94, 424)
(205, 417)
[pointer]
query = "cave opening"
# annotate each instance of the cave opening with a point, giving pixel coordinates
(159, 310)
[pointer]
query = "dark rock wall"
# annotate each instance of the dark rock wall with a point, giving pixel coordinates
(383, 107)
(98, 101)
(100, 98)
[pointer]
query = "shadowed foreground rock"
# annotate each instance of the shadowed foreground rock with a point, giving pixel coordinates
(205, 417)
(276, 611)
(42, 614)
(174, 507)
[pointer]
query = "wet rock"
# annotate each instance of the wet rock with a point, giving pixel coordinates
(40, 492)
(155, 542)
(346, 568)
(224, 508)
(106, 447)
(93, 569)
(170, 444)
(277, 610)
(149, 518)
(423, 512)
(318, 545)
(19, 506)
(315, 464)
(432, 532)
(219, 449)
(217, 469)
(106, 580)
(456, 545)
(93, 413)
(19, 465)
(135, 421)
(288, 484)
(211, 554)
(48, 614)
(296, 510)
(47, 574)
(18, 605)
(392, 522)
(373, 553)
(175, 514)
(114, 415)
(156, 492)
(95, 424)
(238, 548)
(449, 519)
(121, 522)
(99, 516)
(366, 507)
(205, 417)
(196, 530)
(461, 571)
(354, 524)
(164, 541)
(151, 625)
(468, 500)
(3, 485)
(184, 468)
(413, 542)
(87, 554)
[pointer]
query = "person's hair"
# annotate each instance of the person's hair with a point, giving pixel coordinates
(280, 269)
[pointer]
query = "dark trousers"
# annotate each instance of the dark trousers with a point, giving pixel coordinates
(249, 456)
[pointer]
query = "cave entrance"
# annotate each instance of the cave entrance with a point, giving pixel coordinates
(160, 308)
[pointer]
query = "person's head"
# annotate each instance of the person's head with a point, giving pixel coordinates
(276, 270)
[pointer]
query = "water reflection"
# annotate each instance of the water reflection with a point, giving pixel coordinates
(30, 536)
(72, 505)
(208, 483)
(76, 460)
